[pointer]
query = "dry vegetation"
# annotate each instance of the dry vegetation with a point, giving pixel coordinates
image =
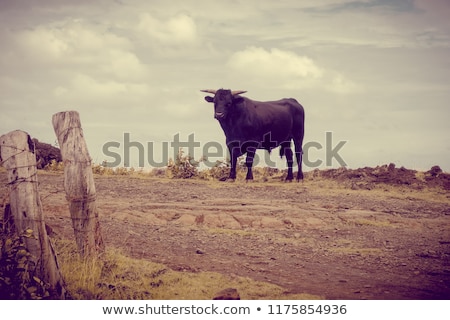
(117, 275)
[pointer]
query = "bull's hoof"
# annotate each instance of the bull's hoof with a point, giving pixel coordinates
(230, 180)
(288, 179)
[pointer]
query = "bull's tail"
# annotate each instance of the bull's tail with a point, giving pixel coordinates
(285, 149)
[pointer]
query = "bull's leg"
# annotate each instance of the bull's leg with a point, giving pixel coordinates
(289, 159)
(299, 155)
(233, 155)
(290, 162)
(233, 168)
(249, 162)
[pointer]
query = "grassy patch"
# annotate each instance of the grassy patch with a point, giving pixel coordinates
(349, 247)
(116, 276)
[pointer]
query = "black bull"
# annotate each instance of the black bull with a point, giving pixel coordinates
(249, 125)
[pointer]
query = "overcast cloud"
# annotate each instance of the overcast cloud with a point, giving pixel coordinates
(376, 73)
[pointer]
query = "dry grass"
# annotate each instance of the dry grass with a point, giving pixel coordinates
(349, 247)
(263, 176)
(118, 277)
(373, 223)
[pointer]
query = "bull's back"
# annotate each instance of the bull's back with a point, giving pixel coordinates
(297, 113)
(282, 118)
(296, 109)
(289, 105)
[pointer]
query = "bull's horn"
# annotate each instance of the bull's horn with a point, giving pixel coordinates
(209, 91)
(236, 92)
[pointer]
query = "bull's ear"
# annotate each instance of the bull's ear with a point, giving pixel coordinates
(238, 99)
(209, 99)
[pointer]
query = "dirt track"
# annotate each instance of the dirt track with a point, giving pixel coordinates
(307, 237)
(312, 237)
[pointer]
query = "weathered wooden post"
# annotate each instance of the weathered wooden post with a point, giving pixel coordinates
(78, 182)
(26, 218)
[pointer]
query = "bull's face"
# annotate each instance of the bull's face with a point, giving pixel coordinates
(224, 102)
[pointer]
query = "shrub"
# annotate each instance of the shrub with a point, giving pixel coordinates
(183, 167)
(54, 166)
(220, 171)
(17, 271)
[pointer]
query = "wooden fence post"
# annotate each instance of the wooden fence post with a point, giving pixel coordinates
(79, 183)
(26, 218)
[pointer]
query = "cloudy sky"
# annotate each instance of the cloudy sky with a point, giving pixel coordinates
(375, 73)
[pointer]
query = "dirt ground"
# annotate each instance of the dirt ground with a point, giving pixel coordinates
(336, 240)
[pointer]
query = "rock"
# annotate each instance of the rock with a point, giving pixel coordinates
(45, 153)
(227, 294)
(435, 171)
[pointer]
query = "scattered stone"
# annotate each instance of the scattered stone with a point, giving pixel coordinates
(199, 251)
(227, 294)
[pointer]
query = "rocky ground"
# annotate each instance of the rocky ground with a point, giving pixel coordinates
(372, 233)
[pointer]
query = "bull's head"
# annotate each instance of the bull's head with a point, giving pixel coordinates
(224, 101)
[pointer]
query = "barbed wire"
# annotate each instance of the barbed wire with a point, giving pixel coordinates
(2, 161)
(33, 177)
(18, 180)
(21, 180)
(63, 132)
(86, 198)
